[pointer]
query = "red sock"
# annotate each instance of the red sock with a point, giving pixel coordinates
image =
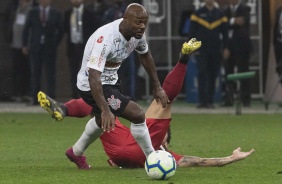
(174, 80)
(78, 108)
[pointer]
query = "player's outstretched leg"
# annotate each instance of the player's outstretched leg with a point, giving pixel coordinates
(51, 106)
(174, 80)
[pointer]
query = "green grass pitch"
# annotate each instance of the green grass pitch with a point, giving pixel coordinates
(32, 150)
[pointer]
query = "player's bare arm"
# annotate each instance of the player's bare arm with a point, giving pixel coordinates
(148, 63)
(107, 122)
(193, 161)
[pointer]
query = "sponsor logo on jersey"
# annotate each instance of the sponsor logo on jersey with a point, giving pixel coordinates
(110, 79)
(102, 55)
(141, 46)
(93, 59)
(114, 102)
(117, 40)
(100, 39)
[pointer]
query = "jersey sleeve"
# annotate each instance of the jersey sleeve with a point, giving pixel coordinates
(176, 156)
(142, 46)
(99, 52)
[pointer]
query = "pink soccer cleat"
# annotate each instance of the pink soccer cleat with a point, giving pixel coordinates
(80, 161)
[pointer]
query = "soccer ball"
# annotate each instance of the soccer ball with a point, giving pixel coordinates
(160, 165)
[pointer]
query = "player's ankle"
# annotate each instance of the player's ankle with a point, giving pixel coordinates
(183, 58)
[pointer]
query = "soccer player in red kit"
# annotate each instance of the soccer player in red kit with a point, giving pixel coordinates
(119, 144)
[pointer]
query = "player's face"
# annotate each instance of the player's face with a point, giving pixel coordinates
(138, 25)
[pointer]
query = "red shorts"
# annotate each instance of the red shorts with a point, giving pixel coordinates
(122, 148)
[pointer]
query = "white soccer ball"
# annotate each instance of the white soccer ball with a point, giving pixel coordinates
(160, 165)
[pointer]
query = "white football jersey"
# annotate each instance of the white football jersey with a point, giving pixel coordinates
(105, 51)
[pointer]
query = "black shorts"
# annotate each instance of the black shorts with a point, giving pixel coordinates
(115, 99)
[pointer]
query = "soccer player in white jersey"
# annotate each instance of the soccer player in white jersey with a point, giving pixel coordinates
(98, 82)
(121, 147)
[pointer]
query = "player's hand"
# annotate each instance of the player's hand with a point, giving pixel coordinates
(160, 96)
(226, 53)
(239, 155)
(108, 121)
(25, 50)
(239, 21)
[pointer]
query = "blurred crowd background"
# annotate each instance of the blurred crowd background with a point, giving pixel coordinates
(166, 33)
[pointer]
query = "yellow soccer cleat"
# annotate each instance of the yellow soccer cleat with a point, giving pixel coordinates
(51, 106)
(188, 48)
(191, 46)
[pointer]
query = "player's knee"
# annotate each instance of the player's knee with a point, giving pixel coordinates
(138, 117)
(90, 126)
(91, 123)
(134, 113)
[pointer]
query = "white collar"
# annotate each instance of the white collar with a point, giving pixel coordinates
(80, 8)
(46, 9)
(234, 7)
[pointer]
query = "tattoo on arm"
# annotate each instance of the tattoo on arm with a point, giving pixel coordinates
(193, 161)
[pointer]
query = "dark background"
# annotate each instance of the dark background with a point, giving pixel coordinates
(157, 47)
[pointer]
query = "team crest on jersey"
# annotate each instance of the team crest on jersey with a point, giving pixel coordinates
(114, 102)
(100, 39)
(93, 59)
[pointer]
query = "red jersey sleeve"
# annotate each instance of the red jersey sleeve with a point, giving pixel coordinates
(176, 156)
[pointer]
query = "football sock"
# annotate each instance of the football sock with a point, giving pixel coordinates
(141, 135)
(77, 108)
(174, 80)
(183, 58)
(90, 134)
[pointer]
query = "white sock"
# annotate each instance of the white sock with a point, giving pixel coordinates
(90, 134)
(141, 134)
